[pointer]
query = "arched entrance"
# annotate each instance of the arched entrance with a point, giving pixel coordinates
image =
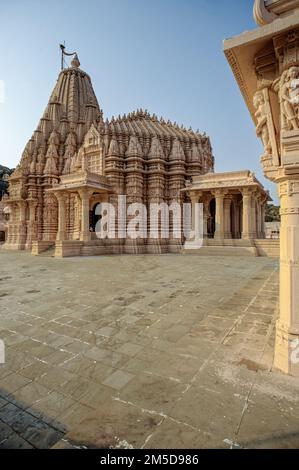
(2, 236)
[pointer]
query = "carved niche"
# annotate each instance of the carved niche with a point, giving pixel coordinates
(93, 150)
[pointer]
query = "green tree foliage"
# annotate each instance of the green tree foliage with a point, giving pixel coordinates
(272, 213)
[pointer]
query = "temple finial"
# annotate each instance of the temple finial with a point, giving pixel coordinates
(75, 62)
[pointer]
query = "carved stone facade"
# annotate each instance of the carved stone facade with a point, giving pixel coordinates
(266, 66)
(4, 210)
(233, 205)
(75, 160)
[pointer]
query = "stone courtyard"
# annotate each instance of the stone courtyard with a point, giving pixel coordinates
(142, 352)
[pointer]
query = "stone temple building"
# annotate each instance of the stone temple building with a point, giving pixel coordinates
(76, 160)
(4, 212)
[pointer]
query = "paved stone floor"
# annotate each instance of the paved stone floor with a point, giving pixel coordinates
(147, 351)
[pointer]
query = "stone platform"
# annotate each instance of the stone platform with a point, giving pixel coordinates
(237, 247)
(142, 351)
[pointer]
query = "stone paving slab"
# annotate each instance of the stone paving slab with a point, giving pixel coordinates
(142, 351)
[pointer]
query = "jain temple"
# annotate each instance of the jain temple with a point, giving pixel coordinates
(76, 160)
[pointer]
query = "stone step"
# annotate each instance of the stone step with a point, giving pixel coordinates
(222, 251)
(50, 252)
(268, 247)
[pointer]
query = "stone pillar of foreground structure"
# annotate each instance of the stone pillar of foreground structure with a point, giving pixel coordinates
(265, 63)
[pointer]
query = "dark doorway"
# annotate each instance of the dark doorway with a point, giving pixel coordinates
(2, 237)
(211, 219)
(94, 218)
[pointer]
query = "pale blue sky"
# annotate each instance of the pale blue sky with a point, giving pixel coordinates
(163, 55)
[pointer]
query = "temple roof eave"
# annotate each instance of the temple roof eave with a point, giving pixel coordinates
(82, 180)
(214, 187)
(229, 181)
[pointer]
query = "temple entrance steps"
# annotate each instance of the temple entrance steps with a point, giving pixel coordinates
(268, 247)
(49, 252)
(236, 247)
(41, 246)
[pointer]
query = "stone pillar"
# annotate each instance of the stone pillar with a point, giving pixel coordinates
(194, 200)
(61, 232)
(32, 209)
(253, 216)
(271, 92)
(32, 224)
(219, 217)
(77, 218)
(263, 216)
(227, 217)
(206, 215)
(22, 226)
(237, 233)
(259, 218)
(287, 331)
(246, 232)
(85, 233)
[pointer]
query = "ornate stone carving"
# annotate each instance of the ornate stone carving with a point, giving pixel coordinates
(265, 128)
(289, 211)
(177, 152)
(289, 98)
(141, 156)
(262, 130)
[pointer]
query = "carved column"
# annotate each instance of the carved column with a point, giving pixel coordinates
(237, 209)
(61, 232)
(219, 218)
(22, 226)
(263, 216)
(85, 233)
(270, 84)
(253, 216)
(77, 218)
(32, 224)
(287, 334)
(206, 215)
(259, 218)
(246, 232)
(227, 217)
(194, 200)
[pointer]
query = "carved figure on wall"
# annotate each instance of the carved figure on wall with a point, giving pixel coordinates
(289, 98)
(262, 129)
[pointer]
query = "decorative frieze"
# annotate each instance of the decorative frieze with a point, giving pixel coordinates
(289, 211)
